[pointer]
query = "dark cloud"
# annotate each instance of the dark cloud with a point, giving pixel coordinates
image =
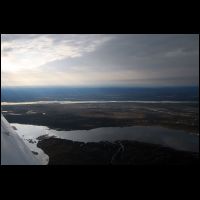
(162, 55)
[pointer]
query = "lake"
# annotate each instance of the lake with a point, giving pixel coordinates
(176, 139)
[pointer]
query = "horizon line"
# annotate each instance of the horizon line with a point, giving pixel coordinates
(66, 86)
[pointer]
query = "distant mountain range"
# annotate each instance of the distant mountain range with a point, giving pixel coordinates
(23, 94)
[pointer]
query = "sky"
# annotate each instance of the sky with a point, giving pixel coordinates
(100, 60)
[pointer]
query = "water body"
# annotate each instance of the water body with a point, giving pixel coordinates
(176, 139)
(86, 102)
(29, 134)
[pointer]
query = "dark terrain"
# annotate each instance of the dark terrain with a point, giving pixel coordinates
(66, 152)
(85, 116)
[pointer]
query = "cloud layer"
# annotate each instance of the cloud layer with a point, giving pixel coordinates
(99, 60)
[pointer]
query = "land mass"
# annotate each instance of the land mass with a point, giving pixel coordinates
(85, 116)
(67, 152)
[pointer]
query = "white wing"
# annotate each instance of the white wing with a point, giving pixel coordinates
(13, 149)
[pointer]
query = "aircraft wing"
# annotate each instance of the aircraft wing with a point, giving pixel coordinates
(13, 149)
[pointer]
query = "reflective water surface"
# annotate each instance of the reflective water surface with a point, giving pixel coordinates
(176, 139)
